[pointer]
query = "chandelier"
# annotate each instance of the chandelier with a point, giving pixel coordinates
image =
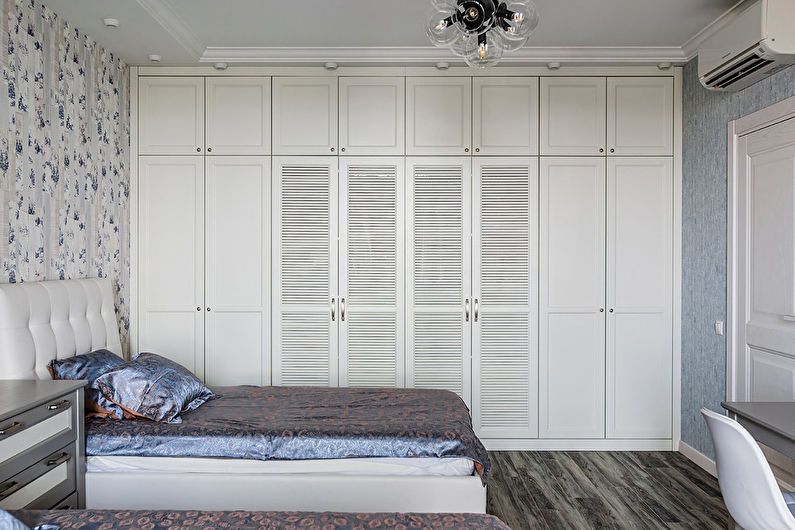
(480, 31)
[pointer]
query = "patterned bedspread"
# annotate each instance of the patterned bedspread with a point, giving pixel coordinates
(302, 423)
(91, 519)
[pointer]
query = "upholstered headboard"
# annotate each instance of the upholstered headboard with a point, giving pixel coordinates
(41, 321)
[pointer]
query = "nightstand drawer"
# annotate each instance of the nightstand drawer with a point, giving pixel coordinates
(43, 484)
(69, 503)
(44, 422)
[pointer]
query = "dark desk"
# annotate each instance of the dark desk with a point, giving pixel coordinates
(772, 424)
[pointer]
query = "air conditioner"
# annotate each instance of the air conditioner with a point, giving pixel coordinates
(757, 43)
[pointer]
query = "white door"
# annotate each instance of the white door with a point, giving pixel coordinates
(640, 116)
(238, 115)
(505, 277)
(438, 115)
(237, 274)
(304, 115)
(371, 272)
(438, 271)
(573, 115)
(171, 258)
(572, 324)
(505, 115)
(305, 301)
(171, 115)
(372, 115)
(639, 297)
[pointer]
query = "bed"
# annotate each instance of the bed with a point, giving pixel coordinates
(309, 449)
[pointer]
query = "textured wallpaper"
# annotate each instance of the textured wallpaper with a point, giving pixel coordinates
(64, 154)
(706, 116)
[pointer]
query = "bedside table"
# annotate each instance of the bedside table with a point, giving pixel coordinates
(42, 445)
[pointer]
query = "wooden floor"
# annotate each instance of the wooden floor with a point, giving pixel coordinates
(603, 490)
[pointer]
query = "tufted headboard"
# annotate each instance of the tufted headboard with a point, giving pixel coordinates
(41, 321)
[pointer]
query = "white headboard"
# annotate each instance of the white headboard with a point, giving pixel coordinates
(41, 321)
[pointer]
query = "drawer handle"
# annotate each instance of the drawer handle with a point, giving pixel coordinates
(12, 487)
(65, 404)
(11, 429)
(65, 457)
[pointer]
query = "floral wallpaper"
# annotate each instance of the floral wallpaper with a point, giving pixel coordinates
(64, 154)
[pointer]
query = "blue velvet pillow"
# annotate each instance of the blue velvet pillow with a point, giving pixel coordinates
(89, 366)
(153, 387)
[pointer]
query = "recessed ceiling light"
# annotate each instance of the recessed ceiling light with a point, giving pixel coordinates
(111, 22)
(155, 58)
(220, 66)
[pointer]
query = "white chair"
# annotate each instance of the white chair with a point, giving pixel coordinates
(749, 488)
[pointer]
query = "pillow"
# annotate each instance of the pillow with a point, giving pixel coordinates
(89, 366)
(153, 387)
(9, 522)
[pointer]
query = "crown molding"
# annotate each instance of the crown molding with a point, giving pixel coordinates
(174, 26)
(690, 48)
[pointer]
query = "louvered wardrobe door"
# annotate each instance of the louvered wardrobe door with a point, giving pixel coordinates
(371, 272)
(438, 273)
(504, 346)
(304, 271)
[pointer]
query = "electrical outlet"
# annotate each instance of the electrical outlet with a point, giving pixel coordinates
(719, 327)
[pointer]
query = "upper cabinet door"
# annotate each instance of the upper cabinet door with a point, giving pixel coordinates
(640, 116)
(505, 116)
(573, 116)
(439, 115)
(238, 115)
(171, 115)
(372, 115)
(305, 116)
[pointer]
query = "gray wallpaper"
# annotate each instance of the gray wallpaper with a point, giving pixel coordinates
(706, 116)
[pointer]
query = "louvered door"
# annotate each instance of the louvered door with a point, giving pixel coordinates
(504, 344)
(371, 272)
(304, 271)
(438, 270)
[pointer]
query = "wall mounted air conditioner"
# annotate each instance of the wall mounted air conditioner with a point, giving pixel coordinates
(756, 44)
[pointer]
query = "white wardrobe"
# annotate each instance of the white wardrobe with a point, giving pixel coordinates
(506, 238)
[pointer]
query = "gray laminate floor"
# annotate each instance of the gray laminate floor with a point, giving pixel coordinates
(603, 490)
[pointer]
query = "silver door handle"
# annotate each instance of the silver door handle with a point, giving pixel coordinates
(333, 309)
(60, 405)
(65, 457)
(476, 309)
(342, 309)
(466, 309)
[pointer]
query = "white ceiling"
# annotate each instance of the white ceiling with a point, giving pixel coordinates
(186, 32)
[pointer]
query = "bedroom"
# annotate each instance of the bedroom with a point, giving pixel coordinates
(549, 243)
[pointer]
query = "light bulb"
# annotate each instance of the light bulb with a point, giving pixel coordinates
(441, 28)
(486, 51)
(523, 19)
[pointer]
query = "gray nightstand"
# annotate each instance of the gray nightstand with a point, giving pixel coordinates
(42, 444)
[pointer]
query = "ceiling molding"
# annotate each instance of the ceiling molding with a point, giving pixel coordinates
(174, 26)
(690, 48)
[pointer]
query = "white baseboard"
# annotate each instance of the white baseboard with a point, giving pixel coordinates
(598, 444)
(698, 458)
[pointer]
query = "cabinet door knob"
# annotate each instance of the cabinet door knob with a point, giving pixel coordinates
(611, 309)
(612, 150)
(208, 309)
(209, 149)
(601, 309)
(601, 150)
(343, 149)
(466, 149)
(198, 149)
(198, 309)
(477, 149)
(332, 149)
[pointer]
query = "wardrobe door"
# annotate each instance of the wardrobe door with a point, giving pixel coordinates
(171, 115)
(505, 115)
(505, 334)
(573, 115)
(238, 115)
(572, 333)
(171, 258)
(640, 116)
(372, 115)
(438, 270)
(371, 272)
(237, 277)
(305, 305)
(304, 115)
(438, 115)
(639, 321)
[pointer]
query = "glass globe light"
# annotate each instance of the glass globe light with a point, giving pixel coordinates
(510, 42)
(484, 51)
(463, 43)
(441, 29)
(523, 20)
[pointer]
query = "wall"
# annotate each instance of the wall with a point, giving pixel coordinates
(706, 116)
(64, 154)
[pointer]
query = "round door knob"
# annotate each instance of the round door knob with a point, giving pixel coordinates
(198, 149)
(477, 149)
(198, 309)
(466, 149)
(611, 309)
(208, 309)
(332, 149)
(601, 150)
(612, 150)
(209, 149)
(343, 149)
(601, 309)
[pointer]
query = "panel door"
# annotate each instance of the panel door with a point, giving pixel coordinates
(438, 115)
(505, 115)
(237, 300)
(372, 115)
(238, 113)
(372, 284)
(305, 304)
(573, 115)
(171, 259)
(505, 319)
(438, 270)
(640, 116)
(572, 328)
(171, 115)
(639, 297)
(304, 115)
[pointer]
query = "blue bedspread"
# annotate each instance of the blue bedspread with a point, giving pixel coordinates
(302, 423)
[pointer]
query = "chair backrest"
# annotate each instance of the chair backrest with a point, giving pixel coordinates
(748, 486)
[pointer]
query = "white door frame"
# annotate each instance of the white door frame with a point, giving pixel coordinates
(756, 121)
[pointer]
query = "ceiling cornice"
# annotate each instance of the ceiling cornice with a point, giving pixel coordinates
(690, 48)
(174, 26)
